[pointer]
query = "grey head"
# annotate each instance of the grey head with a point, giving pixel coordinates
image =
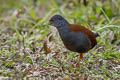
(58, 21)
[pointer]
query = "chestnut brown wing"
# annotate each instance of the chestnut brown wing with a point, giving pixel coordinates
(79, 28)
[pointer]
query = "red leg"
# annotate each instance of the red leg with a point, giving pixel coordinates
(64, 46)
(81, 57)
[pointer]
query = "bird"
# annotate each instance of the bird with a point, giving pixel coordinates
(75, 37)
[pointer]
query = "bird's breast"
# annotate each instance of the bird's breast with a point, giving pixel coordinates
(77, 42)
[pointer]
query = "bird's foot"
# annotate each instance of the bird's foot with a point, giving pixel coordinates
(80, 59)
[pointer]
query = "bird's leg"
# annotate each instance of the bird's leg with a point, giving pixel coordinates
(64, 46)
(80, 58)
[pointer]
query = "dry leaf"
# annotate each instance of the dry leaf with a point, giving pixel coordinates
(46, 48)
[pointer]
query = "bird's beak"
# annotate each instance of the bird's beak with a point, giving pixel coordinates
(49, 23)
(46, 24)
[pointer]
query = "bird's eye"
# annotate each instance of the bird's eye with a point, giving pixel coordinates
(52, 20)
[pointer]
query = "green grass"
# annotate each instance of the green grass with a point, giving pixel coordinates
(25, 41)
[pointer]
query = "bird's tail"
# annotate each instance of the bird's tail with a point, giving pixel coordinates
(96, 34)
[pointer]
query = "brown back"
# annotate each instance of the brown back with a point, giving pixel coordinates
(90, 34)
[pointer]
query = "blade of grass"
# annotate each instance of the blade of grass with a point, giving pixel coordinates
(105, 15)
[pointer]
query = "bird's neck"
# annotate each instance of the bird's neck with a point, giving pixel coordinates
(62, 27)
(63, 31)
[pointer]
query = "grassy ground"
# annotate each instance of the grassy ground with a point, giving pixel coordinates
(29, 50)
